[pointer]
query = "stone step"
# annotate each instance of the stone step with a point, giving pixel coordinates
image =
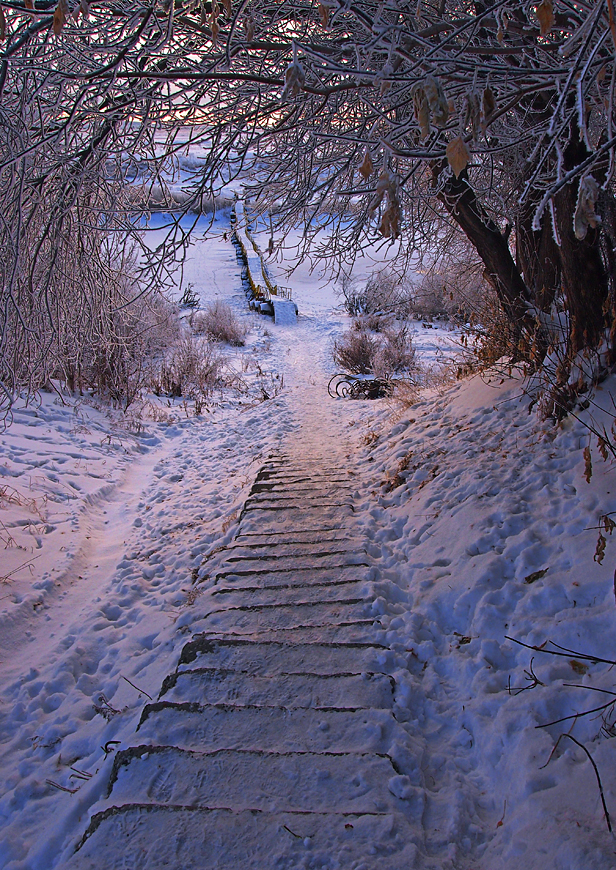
(296, 577)
(296, 537)
(297, 503)
(367, 631)
(264, 520)
(272, 547)
(187, 838)
(291, 658)
(302, 486)
(271, 561)
(222, 726)
(261, 617)
(254, 779)
(220, 686)
(228, 596)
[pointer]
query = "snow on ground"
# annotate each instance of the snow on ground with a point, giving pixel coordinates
(482, 525)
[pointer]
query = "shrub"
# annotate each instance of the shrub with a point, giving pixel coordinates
(192, 370)
(360, 352)
(219, 323)
(355, 351)
(395, 354)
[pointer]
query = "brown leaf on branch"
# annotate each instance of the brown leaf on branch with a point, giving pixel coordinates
(249, 28)
(227, 7)
(488, 107)
(600, 550)
(324, 14)
(587, 464)
(421, 109)
(59, 17)
(585, 215)
(545, 14)
(436, 98)
(367, 167)
(458, 155)
(2, 25)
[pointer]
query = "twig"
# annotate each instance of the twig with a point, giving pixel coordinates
(5, 577)
(566, 654)
(141, 691)
(576, 715)
(292, 832)
(596, 770)
(61, 787)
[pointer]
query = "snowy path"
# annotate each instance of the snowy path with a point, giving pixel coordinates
(268, 744)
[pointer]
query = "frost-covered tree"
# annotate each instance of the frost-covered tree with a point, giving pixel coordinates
(372, 119)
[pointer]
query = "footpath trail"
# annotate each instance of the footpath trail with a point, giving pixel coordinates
(269, 744)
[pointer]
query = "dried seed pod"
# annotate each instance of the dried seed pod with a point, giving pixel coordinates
(585, 215)
(439, 107)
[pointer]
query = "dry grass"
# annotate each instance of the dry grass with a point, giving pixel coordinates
(220, 324)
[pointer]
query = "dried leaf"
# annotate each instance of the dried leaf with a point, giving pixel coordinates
(439, 106)
(579, 667)
(228, 8)
(600, 550)
(488, 107)
(59, 17)
(367, 167)
(458, 155)
(381, 189)
(602, 444)
(390, 221)
(249, 28)
(2, 25)
(608, 524)
(585, 215)
(472, 113)
(294, 79)
(29, 4)
(587, 464)
(421, 109)
(215, 31)
(536, 575)
(545, 14)
(324, 14)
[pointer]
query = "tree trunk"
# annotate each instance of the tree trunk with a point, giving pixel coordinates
(585, 280)
(461, 203)
(538, 258)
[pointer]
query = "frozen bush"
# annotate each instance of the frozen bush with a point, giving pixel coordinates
(192, 370)
(395, 354)
(219, 323)
(355, 351)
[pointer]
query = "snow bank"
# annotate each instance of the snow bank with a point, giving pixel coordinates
(486, 528)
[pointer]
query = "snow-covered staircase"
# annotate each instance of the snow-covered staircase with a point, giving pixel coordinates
(270, 745)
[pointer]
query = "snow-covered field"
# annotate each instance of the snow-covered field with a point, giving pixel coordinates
(483, 526)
